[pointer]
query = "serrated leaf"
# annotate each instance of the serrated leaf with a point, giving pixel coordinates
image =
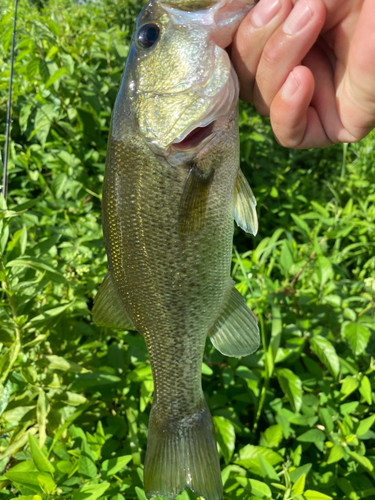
(291, 386)
(356, 335)
(325, 351)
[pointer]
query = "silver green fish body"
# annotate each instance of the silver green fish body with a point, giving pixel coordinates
(172, 187)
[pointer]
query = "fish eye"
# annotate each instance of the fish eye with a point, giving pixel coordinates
(147, 35)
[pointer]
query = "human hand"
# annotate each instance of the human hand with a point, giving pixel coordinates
(310, 65)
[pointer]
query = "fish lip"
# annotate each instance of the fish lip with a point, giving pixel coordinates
(196, 138)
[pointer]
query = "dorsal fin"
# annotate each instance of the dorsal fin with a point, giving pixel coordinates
(245, 212)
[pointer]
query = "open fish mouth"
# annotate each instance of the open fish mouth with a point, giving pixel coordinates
(194, 138)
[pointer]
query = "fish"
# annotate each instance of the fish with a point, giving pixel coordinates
(171, 190)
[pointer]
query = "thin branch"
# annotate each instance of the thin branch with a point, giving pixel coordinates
(9, 107)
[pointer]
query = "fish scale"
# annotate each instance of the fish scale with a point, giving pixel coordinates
(168, 209)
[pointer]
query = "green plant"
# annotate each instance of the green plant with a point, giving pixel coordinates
(294, 420)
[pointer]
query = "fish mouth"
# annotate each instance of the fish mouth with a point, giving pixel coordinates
(194, 138)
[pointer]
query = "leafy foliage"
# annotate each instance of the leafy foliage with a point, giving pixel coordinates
(293, 421)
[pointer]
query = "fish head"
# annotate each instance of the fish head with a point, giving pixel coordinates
(179, 81)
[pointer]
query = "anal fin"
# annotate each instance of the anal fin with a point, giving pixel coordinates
(109, 309)
(245, 212)
(236, 331)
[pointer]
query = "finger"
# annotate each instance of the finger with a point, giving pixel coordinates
(356, 90)
(285, 50)
(295, 123)
(251, 37)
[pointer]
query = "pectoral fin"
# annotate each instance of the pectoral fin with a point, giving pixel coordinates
(236, 331)
(108, 307)
(193, 203)
(245, 212)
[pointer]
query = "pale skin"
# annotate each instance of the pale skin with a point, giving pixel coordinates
(310, 66)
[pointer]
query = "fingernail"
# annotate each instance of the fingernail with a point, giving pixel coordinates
(298, 18)
(264, 12)
(290, 87)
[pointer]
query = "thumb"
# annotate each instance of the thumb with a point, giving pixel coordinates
(356, 91)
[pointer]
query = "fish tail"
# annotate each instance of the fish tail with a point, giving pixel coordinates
(182, 454)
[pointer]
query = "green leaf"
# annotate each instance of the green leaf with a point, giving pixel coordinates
(60, 363)
(40, 460)
(257, 488)
(112, 466)
(286, 257)
(267, 470)
(46, 483)
(349, 385)
(86, 465)
(325, 351)
(301, 223)
(365, 390)
(325, 269)
(91, 491)
(315, 495)
(42, 409)
(68, 61)
(225, 436)
(336, 454)
(299, 485)
(67, 424)
(291, 386)
(47, 315)
(356, 335)
(365, 425)
(29, 480)
(53, 78)
(297, 473)
(8, 359)
(326, 419)
(362, 460)
(312, 436)
(272, 436)
(248, 457)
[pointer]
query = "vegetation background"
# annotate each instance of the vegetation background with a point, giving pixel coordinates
(294, 420)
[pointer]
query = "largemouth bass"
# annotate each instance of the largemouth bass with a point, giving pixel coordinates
(172, 187)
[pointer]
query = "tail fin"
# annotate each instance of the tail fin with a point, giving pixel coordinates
(182, 454)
